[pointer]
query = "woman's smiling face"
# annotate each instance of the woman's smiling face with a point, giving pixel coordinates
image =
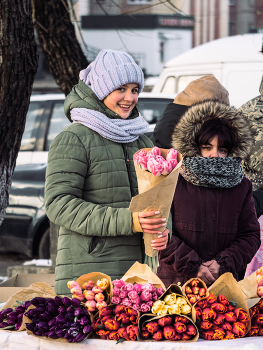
(123, 99)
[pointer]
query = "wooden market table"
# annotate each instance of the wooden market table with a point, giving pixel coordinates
(23, 341)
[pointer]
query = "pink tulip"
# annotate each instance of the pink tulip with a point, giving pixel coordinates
(154, 296)
(101, 304)
(138, 288)
(126, 302)
(159, 291)
(99, 297)
(173, 162)
(136, 300)
(160, 159)
(260, 291)
(116, 300)
(88, 285)
(145, 295)
(148, 287)
(141, 153)
(155, 151)
(118, 283)
(116, 292)
(142, 162)
(150, 303)
(72, 284)
(145, 307)
(89, 295)
(172, 154)
(129, 287)
(123, 294)
(78, 296)
(96, 290)
(154, 167)
(136, 307)
(76, 290)
(133, 295)
(167, 168)
(90, 305)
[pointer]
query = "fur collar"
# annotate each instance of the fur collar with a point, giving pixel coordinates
(183, 137)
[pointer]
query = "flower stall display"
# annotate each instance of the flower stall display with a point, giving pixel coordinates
(94, 289)
(116, 322)
(157, 173)
(195, 289)
(256, 315)
(167, 328)
(172, 302)
(218, 318)
(61, 318)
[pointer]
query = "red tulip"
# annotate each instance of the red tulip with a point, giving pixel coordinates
(253, 311)
(230, 317)
(254, 330)
(158, 335)
(177, 336)
(239, 329)
(219, 334)
(260, 304)
(180, 327)
(144, 333)
(194, 283)
(103, 334)
(190, 329)
(105, 311)
(195, 290)
(198, 312)
(226, 326)
(219, 307)
(131, 311)
(112, 325)
(185, 336)
(230, 308)
(103, 319)
(198, 297)
(208, 314)
(223, 300)
(134, 319)
(123, 318)
(220, 318)
(202, 292)
(202, 304)
(123, 333)
(181, 319)
(211, 298)
(260, 332)
(168, 332)
(208, 335)
(114, 335)
(229, 335)
(258, 319)
(132, 331)
(205, 325)
(165, 321)
(152, 327)
(119, 309)
(192, 298)
(188, 290)
(241, 315)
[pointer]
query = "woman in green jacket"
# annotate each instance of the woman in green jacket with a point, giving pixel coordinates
(90, 177)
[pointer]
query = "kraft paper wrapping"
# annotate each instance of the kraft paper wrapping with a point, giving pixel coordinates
(155, 193)
(228, 286)
(249, 286)
(142, 273)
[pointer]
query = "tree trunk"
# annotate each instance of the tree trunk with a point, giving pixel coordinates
(56, 35)
(18, 66)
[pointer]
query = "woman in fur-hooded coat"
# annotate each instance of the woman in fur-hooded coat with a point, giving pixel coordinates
(214, 218)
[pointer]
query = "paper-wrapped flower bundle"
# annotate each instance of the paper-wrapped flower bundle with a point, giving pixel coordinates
(195, 289)
(256, 315)
(171, 304)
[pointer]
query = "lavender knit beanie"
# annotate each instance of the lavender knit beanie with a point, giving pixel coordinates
(110, 70)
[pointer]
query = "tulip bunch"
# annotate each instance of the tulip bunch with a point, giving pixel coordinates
(12, 318)
(171, 304)
(169, 328)
(91, 293)
(116, 323)
(256, 314)
(259, 276)
(155, 163)
(194, 291)
(139, 297)
(59, 318)
(218, 319)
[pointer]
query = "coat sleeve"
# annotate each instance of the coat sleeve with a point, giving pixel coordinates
(65, 176)
(247, 242)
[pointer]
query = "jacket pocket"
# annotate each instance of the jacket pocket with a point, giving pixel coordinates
(96, 245)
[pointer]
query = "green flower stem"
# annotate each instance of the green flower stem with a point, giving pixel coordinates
(152, 262)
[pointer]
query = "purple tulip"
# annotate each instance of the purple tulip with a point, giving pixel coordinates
(18, 325)
(26, 304)
(87, 328)
(63, 309)
(6, 311)
(52, 335)
(49, 301)
(41, 308)
(70, 316)
(78, 311)
(81, 336)
(84, 320)
(10, 322)
(70, 309)
(2, 317)
(61, 319)
(42, 324)
(39, 331)
(51, 322)
(75, 302)
(66, 301)
(58, 301)
(75, 325)
(60, 333)
(67, 335)
(37, 300)
(46, 317)
(52, 309)
(70, 339)
(67, 324)
(30, 326)
(3, 324)
(20, 309)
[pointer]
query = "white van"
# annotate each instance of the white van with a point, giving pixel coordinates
(236, 61)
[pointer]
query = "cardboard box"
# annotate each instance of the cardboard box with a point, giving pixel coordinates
(21, 281)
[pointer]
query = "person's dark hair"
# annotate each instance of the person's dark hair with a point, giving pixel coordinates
(227, 135)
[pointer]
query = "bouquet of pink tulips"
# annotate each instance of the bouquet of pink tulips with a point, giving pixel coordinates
(157, 172)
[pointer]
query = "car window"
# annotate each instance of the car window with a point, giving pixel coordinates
(58, 122)
(152, 108)
(33, 118)
(169, 86)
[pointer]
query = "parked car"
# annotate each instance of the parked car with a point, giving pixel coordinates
(25, 228)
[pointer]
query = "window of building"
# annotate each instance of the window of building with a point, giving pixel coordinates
(138, 2)
(169, 86)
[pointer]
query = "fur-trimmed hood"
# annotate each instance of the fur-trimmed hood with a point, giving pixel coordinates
(183, 137)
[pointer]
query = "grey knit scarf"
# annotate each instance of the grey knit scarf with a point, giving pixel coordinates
(225, 172)
(116, 130)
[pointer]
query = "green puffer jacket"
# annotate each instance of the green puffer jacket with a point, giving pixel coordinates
(89, 185)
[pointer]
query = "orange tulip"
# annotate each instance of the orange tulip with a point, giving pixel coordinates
(208, 335)
(260, 291)
(144, 333)
(202, 304)
(181, 319)
(168, 332)
(218, 307)
(195, 290)
(103, 334)
(158, 335)
(202, 292)
(220, 318)
(180, 327)
(177, 336)
(230, 317)
(260, 332)
(226, 326)
(165, 321)
(239, 329)
(192, 298)
(254, 331)
(219, 334)
(112, 325)
(205, 325)
(185, 336)
(114, 335)
(229, 335)
(105, 311)
(253, 311)
(208, 314)
(223, 300)
(258, 319)
(190, 329)
(194, 283)
(241, 315)
(198, 312)
(132, 331)
(152, 327)
(123, 333)
(211, 298)
(123, 318)
(188, 290)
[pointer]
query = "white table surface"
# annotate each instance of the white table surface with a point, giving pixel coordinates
(23, 341)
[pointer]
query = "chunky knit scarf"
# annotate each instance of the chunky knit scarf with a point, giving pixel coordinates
(116, 130)
(225, 172)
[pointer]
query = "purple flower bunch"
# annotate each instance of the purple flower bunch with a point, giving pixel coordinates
(12, 318)
(139, 297)
(59, 318)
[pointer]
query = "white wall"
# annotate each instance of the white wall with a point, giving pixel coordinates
(176, 41)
